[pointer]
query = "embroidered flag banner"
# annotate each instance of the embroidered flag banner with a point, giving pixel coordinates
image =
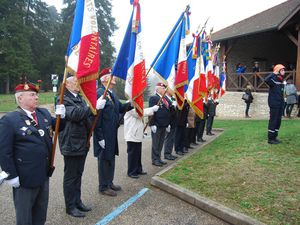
(83, 58)
(170, 63)
(196, 77)
(130, 63)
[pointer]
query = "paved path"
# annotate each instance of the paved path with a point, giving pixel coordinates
(154, 207)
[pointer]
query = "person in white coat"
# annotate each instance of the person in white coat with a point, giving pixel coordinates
(133, 134)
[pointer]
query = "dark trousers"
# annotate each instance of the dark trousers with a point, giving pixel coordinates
(274, 122)
(187, 137)
(169, 142)
(134, 150)
(200, 129)
(31, 204)
(283, 109)
(289, 109)
(247, 108)
(209, 123)
(73, 170)
(106, 173)
(158, 139)
(179, 139)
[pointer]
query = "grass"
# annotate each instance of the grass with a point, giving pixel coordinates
(241, 171)
(8, 102)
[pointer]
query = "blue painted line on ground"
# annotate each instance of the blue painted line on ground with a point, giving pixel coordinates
(122, 207)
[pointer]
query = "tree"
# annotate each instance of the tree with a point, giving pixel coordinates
(15, 51)
(34, 39)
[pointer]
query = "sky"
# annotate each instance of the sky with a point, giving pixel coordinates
(159, 16)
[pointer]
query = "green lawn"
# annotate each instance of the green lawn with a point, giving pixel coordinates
(241, 171)
(8, 102)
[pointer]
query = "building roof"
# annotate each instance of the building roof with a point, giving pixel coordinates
(271, 19)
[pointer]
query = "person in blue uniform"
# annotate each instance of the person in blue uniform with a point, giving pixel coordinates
(275, 102)
(159, 122)
(73, 145)
(25, 154)
(106, 137)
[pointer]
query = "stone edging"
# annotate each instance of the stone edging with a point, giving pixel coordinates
(229, 215)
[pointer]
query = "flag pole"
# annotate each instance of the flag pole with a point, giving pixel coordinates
(57, 123)
(186, 10)
(98, 114)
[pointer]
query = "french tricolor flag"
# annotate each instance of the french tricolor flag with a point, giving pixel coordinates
(223, 79)
(83, 50)
(130, 63)
(170, 63)
(196, 77)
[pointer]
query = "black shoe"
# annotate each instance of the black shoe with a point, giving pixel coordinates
(273, 142)
(109, 192)
(278, 140)
(83, 208)
(185, 150)
(173, 156)
(202, 140)
(179, 153)
(169, 157)
(75, 212)
(194, 143)
(157, 163)
(210, 134)
(133, 176)
(189, 147)
(115, 187)
(142, 173)
(162, 162)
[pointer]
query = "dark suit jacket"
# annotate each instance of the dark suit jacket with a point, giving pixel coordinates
(25, 148)
(162, 117)
(72, 140)
(107, 126)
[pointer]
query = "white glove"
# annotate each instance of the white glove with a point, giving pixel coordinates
(155, 108)
(187, 125)
(102, 143)
(284, 82)
(153, 129)
(174, 103)
(15, 183)
(60, 110)
(168, 129)
(100, 103)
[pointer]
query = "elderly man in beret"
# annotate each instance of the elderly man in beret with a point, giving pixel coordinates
(73, 145)
(159, 123)
(25, 154)
(106, 136)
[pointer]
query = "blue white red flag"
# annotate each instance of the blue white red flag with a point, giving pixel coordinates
(170, 63)
(83, 59)
(130, 63)
(223, 79)
(196, 77)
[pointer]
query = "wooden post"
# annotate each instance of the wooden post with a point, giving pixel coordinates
(298, 60)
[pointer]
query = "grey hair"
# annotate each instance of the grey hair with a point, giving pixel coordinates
(70, 79)
(17, 95)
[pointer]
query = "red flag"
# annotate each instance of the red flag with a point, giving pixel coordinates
(83, 50)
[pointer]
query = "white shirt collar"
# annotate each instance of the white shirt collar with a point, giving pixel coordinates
(28, 113)
(75, 95)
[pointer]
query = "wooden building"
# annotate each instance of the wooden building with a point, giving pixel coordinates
(270, 37)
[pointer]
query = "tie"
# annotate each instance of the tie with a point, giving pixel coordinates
(34, 117)
(165, 102)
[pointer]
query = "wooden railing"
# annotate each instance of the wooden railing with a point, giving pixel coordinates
(235, 82)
